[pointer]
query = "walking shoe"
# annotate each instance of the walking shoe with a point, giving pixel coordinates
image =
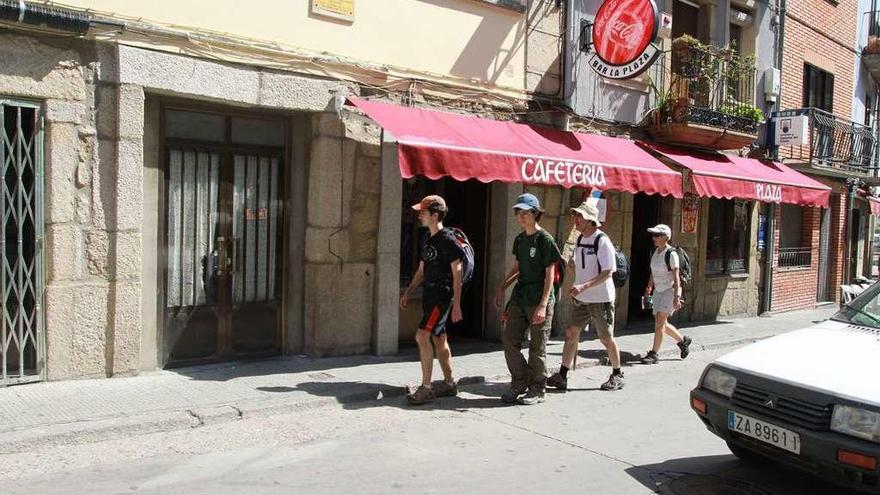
(445, 389)
(422, 395)
(531, 398)
(556, 381)
(650, 358)
(511, 396)
(615, 382)
(685, 346)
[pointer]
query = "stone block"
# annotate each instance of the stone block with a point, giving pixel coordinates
(320, 242)
(131, 112)
(370, 150)
(328, 124)
(368, 175)
(62, 159)
(83, 206)
(331, 180)
(59, 331)
(362, 130)
(363, 246)
(127, 327)
(130, 185)
(104, 173)
(89, 327)
(107, 111)
(64, 252)
(341, 324)
(97, 253)
(553, 201)
(62, 111)
(365, 213)
(188, 76)
(292, 92)
(33, 69)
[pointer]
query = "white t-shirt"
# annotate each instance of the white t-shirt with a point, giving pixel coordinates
(587, 268)
(663, 279)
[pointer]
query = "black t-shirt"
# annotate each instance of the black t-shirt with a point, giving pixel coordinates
(438, 252)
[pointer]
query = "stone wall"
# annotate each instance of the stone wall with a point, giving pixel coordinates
(341, 235)
(92, 201)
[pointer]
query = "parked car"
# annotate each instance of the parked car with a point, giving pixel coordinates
(808, 398)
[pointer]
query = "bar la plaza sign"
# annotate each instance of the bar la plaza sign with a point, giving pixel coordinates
(623, 35)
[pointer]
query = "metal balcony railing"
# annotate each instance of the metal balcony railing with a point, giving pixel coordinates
(834, 143)
(798, 257)
(707, 85)
(873, 19)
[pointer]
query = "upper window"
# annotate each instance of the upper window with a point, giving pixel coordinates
(818, 88)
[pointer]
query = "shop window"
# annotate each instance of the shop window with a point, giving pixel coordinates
(794, 248)
(728, 238)
(818, 88)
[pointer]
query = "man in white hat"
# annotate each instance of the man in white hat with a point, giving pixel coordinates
(593, 293)
(665, 284)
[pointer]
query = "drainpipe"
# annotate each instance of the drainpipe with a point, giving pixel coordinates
(57, 18)
(770, 237)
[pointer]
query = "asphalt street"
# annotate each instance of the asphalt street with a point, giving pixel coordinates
(644, 439)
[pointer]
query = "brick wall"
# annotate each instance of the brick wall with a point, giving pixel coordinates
(837, 247)
(822, 34)
(797, 288)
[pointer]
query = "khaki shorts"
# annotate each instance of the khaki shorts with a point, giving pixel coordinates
(599, 316)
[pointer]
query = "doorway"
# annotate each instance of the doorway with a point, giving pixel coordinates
(223, 237)
(646, 214)
(468, 203)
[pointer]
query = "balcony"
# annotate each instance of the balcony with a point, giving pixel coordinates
(871, 51)
(835, 145)
(706, 100)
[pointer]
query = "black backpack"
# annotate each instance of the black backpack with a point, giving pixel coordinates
(621, 274)
(467, 265)
(684, 263)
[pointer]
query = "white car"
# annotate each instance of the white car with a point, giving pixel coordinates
(808, 398)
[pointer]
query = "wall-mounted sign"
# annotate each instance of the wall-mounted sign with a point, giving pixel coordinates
(338, 9)
(623, 37)
(690, 212)
(792, 131)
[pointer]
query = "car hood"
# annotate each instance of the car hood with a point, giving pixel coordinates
(833, 357)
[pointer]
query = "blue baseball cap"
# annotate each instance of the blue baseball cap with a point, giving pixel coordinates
(527, 201)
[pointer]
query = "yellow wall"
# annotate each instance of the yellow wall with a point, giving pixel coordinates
(463, 38)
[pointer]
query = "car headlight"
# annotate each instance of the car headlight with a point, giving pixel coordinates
(856, 422)
(719, 381)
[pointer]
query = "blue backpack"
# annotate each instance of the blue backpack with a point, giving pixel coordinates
(621, 273)
(467, 265)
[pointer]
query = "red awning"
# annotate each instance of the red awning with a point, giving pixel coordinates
(874, 203)
(725, 176)
(439, 144)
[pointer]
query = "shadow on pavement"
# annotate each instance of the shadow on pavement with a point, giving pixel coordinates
(361, 395)
(727, 475)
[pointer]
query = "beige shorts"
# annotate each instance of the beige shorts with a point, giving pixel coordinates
(599, 316)
(664, 302)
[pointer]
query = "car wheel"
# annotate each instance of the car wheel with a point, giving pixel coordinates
(745, 454)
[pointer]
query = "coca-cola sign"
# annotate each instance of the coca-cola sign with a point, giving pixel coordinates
(623, 36)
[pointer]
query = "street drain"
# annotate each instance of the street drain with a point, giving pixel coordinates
(711, 485)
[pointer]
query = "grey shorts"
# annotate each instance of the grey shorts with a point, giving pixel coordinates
(663, 302)
(599, 316)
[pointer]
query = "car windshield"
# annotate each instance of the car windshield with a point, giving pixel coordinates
(863, 310)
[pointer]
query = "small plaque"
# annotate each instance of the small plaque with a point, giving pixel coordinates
(337, 9)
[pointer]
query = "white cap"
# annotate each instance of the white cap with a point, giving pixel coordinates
(661, 229)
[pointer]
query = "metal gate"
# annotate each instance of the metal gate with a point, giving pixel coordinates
(22, 341)
(824, 247)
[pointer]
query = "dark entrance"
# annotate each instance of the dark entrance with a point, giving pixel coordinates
(468, 210)
(646, 214)
(223, 237)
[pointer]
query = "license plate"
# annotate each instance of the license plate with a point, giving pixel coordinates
(763, 431)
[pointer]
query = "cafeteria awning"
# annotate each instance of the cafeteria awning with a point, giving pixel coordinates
(725, 176)
(440, 144)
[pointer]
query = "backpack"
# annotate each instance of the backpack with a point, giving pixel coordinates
(621, 274)
(684, 263)
(467, 264)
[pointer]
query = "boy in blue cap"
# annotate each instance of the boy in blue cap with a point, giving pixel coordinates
(531, 304)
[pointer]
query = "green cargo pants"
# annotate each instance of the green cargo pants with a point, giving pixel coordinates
(531, 375)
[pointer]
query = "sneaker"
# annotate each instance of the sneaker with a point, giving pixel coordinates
(445, 389)
(650, 358)
(615, 382)
(531, 398)
(422, 395)
(685, 346)
(556, 381)
(511, 396)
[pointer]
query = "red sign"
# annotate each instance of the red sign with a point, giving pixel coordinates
(623, 33)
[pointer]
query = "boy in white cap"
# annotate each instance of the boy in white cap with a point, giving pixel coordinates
(593, 293)
(665, 284)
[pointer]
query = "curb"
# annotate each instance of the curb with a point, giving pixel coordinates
(91, 431)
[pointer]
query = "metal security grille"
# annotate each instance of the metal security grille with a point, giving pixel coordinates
(22, 342)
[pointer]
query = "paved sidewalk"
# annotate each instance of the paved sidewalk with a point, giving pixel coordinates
(83, 410)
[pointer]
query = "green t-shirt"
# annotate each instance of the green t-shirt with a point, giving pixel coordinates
(534, 253)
